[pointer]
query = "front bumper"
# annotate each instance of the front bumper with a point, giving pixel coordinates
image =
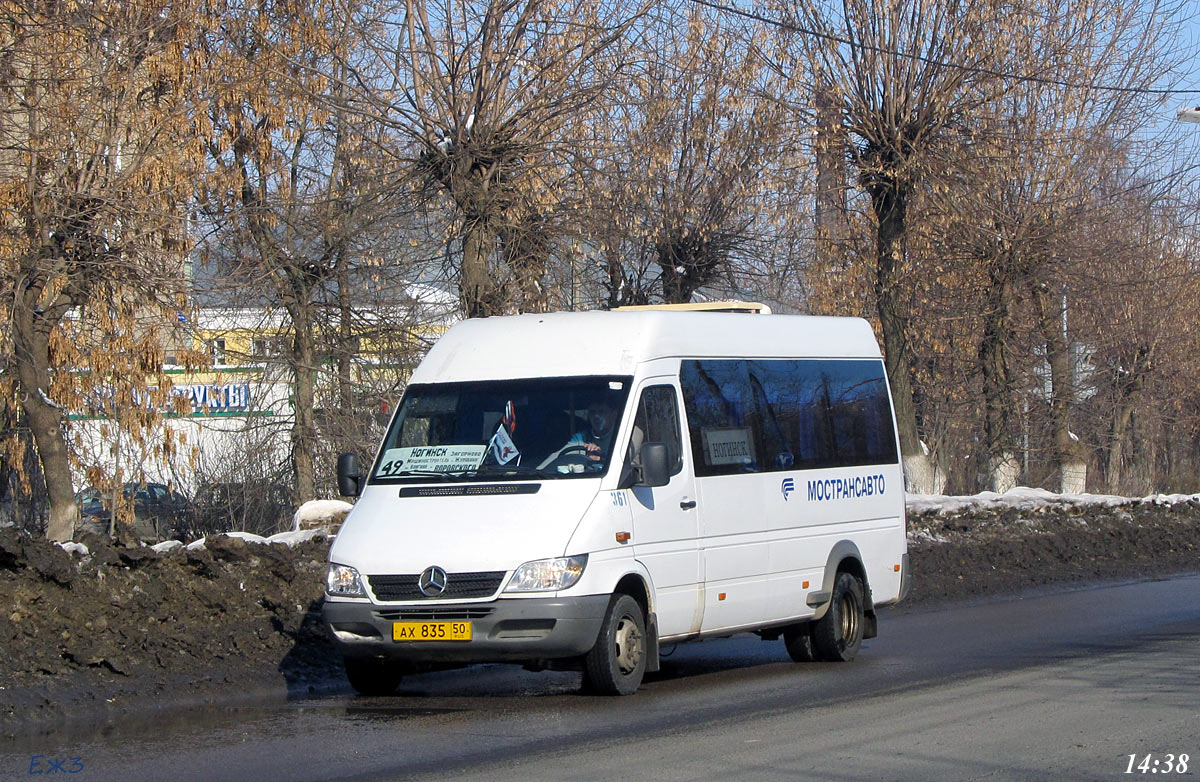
(505, 630)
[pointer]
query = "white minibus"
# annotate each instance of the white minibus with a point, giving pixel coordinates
(577, 490)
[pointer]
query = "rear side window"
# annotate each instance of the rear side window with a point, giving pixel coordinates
(750, 416)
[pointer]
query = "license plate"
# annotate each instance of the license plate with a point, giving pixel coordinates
(431, 631)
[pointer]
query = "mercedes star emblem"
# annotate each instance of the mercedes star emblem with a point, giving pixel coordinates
(432, 582)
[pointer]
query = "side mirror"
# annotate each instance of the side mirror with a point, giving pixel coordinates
(655, 470)
(348, 477)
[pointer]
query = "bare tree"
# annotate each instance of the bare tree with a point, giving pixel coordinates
(490, 99)
(96, 167)
(296, 184)
(905, 75)
(1038, 153)
(692, 173)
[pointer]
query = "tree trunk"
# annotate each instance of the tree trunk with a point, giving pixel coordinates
(45, 420)
(350, 429)
(529, 269)
(476, 285)
(1069, 463)
(888, 201)
(348, 347)
(676, 287)
(1127, 392)
(999, 442)
(830, 202)
(304, 429)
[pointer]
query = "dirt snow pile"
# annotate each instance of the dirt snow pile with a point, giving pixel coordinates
(990, 543)
(100, 625)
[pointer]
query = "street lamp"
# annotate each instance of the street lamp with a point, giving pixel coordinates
(1188, 115)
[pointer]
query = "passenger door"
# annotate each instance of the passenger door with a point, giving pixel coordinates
(665, 525)
(726, 441)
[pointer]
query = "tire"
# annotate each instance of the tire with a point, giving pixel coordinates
(617, 663)
(373, 677)
(798, 639)
(839, 634)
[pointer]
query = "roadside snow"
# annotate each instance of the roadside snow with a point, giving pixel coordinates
(249, 537)
(317, 514)
(291, 538)
(296, 537)
(1023, 498)
(320, 511)
(74, 548)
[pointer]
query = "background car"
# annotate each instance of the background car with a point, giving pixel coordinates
(160, 512)
(94, 514)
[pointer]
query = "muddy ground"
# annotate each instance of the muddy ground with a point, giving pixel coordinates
(126, 628)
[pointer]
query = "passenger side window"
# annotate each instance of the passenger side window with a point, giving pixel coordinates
(657, 421)
(767, 415)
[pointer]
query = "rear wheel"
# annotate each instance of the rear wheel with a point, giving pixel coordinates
(617, 663)
(839, 634)
(798, 639)
(373, 677)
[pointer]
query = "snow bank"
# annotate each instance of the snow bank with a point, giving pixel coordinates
(316, 517)
(296, 537)
(74, 548)
(320, 513)
(249, 537)
(1023, 498)
(289, 539)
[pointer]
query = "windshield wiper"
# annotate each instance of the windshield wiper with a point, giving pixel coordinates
(524, 471)
(443, 476)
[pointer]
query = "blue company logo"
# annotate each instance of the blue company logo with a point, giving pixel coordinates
(787, 487)
(846, 488)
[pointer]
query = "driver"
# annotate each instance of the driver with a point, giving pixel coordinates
(598, 437)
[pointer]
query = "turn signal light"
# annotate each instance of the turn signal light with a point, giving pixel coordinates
(623, 537)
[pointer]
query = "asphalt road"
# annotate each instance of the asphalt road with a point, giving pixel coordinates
(1051, 686)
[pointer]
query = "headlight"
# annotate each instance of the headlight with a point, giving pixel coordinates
(344, 581)
(547, 575)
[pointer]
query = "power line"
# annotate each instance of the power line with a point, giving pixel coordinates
(794, 28)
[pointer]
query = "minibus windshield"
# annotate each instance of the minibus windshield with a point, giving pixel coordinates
(525, 429)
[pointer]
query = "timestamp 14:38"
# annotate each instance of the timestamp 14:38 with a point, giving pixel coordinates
(1166, 764)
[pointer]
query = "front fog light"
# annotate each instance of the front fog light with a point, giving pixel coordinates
(343, 581)
(547, 575)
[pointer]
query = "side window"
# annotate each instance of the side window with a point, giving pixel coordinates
(766, 415)
(725, 427)
(657, 421)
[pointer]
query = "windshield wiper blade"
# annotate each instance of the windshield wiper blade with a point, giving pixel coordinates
(443, 476)
(505, 469)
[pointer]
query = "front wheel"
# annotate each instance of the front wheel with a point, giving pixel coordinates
(617, 663)
(839, 634)
(373, 677)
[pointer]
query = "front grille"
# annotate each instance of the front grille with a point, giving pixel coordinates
(470, 491)
(458, 586)
(441, 614)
